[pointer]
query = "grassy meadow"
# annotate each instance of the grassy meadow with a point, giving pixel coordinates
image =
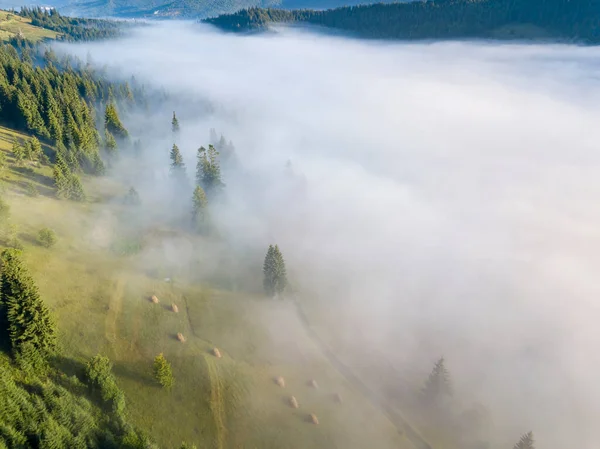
(101, 299)
(12, 24)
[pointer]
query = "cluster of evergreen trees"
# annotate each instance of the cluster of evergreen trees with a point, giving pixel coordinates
(72, 28)
(208, 181)
(437, 19)
(39, 406)
(56, 100)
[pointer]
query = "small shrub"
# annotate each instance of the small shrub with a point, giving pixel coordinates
(31, 189)
(47, 237)
(162, 371)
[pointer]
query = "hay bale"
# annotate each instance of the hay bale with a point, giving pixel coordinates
(313, 419)
(280, 381)
(216, 353)
(174, 308)
(180, 337)
(337, 398)
(154, 299)
(293, 402)
(313, 383)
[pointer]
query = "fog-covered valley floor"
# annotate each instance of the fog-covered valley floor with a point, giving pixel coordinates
(446, 200)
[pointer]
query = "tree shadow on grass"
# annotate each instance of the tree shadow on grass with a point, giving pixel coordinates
(30, 173)
(22, 187)
(127, 370)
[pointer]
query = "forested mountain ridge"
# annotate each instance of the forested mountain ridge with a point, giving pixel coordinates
(440, 19)
(192, 8)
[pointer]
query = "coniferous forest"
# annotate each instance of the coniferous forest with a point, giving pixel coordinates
(439, 19)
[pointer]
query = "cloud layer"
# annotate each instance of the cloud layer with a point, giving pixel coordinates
(450, 200)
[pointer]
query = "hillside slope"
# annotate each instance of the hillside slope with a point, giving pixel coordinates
(102, 306)
(441, 19)
(13, 25)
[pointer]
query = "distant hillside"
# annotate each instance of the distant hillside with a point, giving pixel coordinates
(572, 20)
(188, 8)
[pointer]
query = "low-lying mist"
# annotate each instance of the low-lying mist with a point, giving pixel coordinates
(447, 198)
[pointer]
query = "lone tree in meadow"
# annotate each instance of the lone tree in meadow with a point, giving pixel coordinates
(438, 386)
(47, 237)
(132, 197)
(199, 209)
(24, 318)
(275, 278)
(112, 122)
(162, 371)
(174, 124)
(208, 171)
(526, 442)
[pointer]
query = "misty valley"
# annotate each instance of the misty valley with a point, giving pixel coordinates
(278, 226)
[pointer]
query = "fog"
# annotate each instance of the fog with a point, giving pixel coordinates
(449, 201)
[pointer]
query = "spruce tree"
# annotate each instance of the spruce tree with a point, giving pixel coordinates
(110, 143)
(18, 152)
(132, 198)
(275, 277)
(174, 124)
(177, 164)
(112, 122)
(162, 371)
(27, 317)
(438, 387)
(208, 170)
(61, 177)
(75, 188)
(33, 149)
(526, 442)
(199, 209)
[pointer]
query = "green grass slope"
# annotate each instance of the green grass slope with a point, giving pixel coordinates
(11, 25)
(102, 303)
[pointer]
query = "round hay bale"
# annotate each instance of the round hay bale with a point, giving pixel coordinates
(313, 383)
(154, 299)
(293, 402)
(174, 308)
(313, 419)
(337, 398)
(280, 381)
(216, 353)
(180, 337)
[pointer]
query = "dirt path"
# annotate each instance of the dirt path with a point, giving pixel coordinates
(376, 399)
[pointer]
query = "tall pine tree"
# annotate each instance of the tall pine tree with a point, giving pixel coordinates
(174, 124)
(199, 209)
(27, 319)
(275, 277)
(526, 442)
(112, 122)
(177, 164)
(438, 387)
(208, 171)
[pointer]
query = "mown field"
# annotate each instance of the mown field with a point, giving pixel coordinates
(101, 297)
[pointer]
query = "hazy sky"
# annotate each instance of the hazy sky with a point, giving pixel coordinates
(452, 191)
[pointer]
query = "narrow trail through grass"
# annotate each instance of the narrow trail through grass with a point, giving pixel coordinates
(217, 405)
(395, 417)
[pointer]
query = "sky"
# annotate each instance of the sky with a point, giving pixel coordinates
(446, 198)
